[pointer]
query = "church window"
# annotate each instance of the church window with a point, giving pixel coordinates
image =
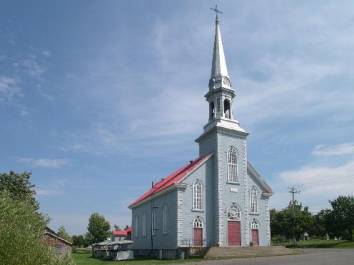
(218, 104)
(253, 200)
(136, 226)
(164, 219)
(197, 196)
(227, 110)
(143, 223)
(153, 221)
(234, 213)
(254, 224)
(212, 110)
(198, 222)
(232, 165)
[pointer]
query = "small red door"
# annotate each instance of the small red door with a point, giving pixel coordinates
(198, 237)
(234, 233)
(255, 237)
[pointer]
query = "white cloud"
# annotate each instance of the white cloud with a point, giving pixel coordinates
(45, 162)
(334, 150)
(9, 88)
(319, 183)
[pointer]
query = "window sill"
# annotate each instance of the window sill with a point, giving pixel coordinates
(233, 183)
(197, 210)
(254, 213)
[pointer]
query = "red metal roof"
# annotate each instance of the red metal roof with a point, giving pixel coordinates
(119, 233)
(172, 179)
(124, 232)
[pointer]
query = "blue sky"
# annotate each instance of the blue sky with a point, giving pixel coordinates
(99, 98)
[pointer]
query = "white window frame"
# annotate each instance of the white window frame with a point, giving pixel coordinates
(197, 196)
(254, 225)
(198, 222)
(232, 169)
(143, 224)
(253, 200)
(164, 219)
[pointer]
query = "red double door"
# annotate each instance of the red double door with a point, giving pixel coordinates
(234, 233)
(198, 237)
(255, 237)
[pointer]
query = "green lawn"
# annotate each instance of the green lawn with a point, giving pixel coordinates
(317, 243)
(85, 259)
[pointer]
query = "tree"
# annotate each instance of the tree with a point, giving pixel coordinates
(19, 187)
(321, 224)
(21, 232)
(292, 221)
(79, 241)
(342, 216)
(98, 228)
(63, 234)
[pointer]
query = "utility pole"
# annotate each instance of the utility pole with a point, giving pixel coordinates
(293, 191)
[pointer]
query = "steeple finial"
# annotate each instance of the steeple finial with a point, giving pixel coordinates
(217, 11)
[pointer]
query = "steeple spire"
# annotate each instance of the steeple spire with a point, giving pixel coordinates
(219, 75)
(218, 68)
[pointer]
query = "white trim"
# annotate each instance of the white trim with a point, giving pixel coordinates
(197, 196)
(253, 200)
(232, 167)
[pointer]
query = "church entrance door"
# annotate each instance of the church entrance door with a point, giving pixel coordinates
(234, 233)
(198, 237)
(255, 237)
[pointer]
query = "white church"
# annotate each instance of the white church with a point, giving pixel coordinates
(218, 199)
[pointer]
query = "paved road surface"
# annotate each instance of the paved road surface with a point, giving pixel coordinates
(309, 257)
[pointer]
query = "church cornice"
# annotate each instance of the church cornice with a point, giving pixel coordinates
(221, 89)
(222, 130)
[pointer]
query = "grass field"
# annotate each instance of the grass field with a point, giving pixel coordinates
(85, 259)
(317, 243)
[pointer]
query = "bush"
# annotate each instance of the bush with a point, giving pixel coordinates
(21, 232)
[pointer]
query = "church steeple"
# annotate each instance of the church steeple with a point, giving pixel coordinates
(221, 94)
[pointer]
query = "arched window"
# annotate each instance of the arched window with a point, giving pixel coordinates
(143, 224)
(254, 224)
(232, 165)
(211, 110)
(197, 196)
(253, 200)
(164, 219)
(234, 213)
(227, 111)
(198, 222)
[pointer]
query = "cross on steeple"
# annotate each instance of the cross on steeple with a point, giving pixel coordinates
(217, 11)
